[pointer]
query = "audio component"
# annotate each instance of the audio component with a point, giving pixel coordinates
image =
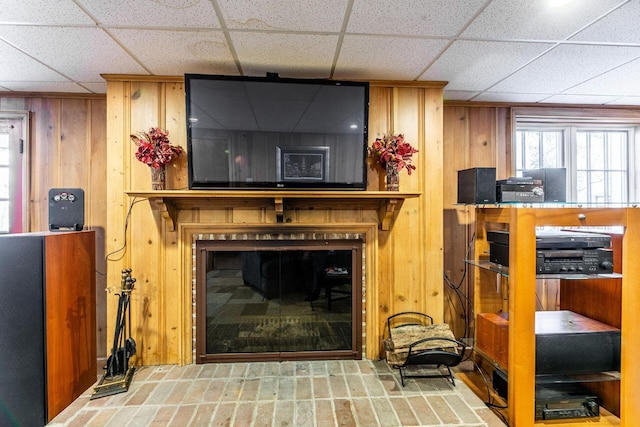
(560, 251)
(66, 209)
(565, 401)
(517, 189)
(580, 261)
(477, 186)
(555, 401)
(554, 181)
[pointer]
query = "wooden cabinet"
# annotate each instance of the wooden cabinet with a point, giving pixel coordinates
(47, 324)
(521, 304)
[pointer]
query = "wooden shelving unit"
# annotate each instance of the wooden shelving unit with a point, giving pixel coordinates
(521, 304)
(168, 203)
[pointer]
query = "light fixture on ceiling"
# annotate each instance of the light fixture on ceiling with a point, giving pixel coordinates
(354, 126)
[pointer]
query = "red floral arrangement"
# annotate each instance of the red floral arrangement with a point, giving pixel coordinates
(154, 148)
(393, 149)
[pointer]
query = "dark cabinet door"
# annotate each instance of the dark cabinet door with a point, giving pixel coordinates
(22, 360)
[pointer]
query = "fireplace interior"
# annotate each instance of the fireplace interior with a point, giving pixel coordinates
(265, 300)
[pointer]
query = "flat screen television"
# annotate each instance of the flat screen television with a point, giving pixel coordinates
(272, 132)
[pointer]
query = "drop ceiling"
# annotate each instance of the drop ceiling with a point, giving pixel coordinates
(533, 51)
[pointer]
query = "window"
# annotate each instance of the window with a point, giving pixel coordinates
(4, 183)
(13, 169)
(598, 156)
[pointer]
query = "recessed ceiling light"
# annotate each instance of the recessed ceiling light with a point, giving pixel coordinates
(354, 126)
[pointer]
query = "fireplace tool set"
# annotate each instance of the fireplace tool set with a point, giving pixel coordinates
(118, 371)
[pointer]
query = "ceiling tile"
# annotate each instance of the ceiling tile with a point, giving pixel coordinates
(15, 66)
(620, 81)
(411, 17)
(279, 15)
(579, 99)
(620, 26)
(385, 58)
(189, 51)
(157, 13)
(290, 55)
(40, 12)
(627, 100)
(74, 53)
(95, 87)
(458, 95)
(535, 19)
(41, 86)
(472, 65)
(566, 66)
(509, 97)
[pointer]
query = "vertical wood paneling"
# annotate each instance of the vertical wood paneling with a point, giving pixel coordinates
(178, 332)
(406, 290)
(456, 218)
(145, 231)
(378, 301)
(431, 204)
(397, 278)
(475, 136)
(482, 137)
(117, 204)
(380, 123)
(44, 155)
(74, 126)
(96, 212)
(67, 148)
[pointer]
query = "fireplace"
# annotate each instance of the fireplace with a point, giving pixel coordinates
(278, 296)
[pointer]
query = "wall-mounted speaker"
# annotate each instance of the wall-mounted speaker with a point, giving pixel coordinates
(554, 181)
(477, 185)
(66, 209)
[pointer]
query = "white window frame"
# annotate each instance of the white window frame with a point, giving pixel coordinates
(23, 116)
(571, 124)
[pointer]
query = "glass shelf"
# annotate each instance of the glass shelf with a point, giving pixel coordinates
(578, 378)
(504, 271)
(551, 205)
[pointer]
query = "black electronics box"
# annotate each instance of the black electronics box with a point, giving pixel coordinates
(569, 343)
(517, 189)
(555, 401)
(477, 186)
(554, 181)
(565, 401)
(559, 251)
(66, 209)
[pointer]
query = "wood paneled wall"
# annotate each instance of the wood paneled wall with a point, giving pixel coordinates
(405, 274)
(67, 148)
(474, 136)
(480, 135)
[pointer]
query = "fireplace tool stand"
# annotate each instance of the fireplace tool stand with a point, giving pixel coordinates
(119, 372)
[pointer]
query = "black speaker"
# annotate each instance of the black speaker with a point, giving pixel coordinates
(477, 185)
(554, 181)
(66, 209)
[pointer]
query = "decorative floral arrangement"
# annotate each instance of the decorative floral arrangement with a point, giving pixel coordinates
(393, 149)
(154, 148)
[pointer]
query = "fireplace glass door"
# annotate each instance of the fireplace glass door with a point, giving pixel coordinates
(260, 301)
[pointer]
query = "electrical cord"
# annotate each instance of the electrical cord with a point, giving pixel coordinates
(126, 225)
(465, 302)
(494, 407)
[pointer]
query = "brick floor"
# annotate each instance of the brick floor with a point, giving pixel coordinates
(315, 394)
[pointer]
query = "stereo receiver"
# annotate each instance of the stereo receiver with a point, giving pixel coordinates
(581, 261)
(565, 401)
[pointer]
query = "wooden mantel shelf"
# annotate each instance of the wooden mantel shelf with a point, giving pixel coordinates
(169, 202)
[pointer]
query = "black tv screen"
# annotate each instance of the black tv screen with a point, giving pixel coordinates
(271, 132)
